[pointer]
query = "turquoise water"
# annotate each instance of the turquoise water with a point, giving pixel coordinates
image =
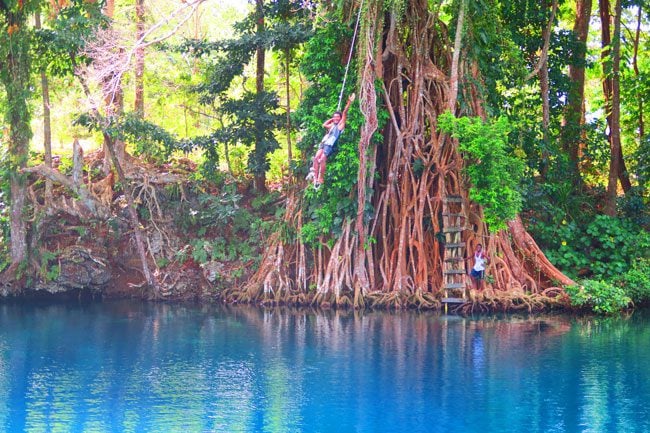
(131, 367)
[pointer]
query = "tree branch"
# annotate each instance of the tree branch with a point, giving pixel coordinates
(547, 43)
(87, 199)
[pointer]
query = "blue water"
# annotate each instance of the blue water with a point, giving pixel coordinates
(131, 367)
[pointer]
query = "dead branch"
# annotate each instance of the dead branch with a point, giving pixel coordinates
(94, 206)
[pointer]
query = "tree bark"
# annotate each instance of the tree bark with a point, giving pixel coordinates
(635, 66)
(16, 82)
(113, 104)
(546, 117)
(573, 135)
(139, 59)
(458, 39)
(47, 118)
(260, 175)
(287, 59)
(542, 73)
(133, 216)
(611, 83)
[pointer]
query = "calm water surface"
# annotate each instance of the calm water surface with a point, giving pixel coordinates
(130, 367)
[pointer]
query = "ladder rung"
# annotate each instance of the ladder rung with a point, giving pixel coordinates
(451, 286)
(453, 301)
(457, 245)
(454, 259)
(452, 199)
(451, 214)
(454, 272)
(453, 229)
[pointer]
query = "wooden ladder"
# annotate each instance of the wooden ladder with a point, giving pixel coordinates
(453, 267)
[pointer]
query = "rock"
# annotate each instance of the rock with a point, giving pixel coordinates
(80, 268)
(212, 270)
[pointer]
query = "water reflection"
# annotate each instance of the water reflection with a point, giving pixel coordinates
(123, 367)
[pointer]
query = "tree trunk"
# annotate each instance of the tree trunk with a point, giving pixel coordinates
(260, 175)
(47, 128)
(542, 72)
(16, 82)
(368, 105)
(546, 117)
(113, 104)
(287, 59)
(453, 93)
(139, 59)
(573, 135)
(133, 217)
(615, 132)
(635, 65)
(611, 83)
(611, 56)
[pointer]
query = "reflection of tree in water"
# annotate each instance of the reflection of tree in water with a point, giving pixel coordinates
(213, 368)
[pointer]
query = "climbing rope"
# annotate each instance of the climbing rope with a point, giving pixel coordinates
(354, 38)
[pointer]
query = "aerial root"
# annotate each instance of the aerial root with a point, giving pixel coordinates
(487, 301)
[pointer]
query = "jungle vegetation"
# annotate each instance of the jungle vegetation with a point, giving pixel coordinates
(172, 140)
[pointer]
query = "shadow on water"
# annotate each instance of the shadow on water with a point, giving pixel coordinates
(132, 366)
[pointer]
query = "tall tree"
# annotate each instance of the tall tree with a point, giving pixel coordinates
(260, 175)
(47, 128)
(139, 59)
(430, 167)
(250, 118)
(15, 75)
(611, 55)
(113, 97)
(289, 24)
(542, 72)
(573, 135)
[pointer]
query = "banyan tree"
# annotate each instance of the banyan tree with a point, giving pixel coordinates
(414, 220)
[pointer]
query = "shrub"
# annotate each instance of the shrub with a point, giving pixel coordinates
(599, 296)
(603, 249)
(636, 281)
(494, 172)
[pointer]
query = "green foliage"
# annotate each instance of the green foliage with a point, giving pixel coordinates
(148, 139)
(250, 118)
(604, 248)
(494, 174)
(332, 205)
(265, 202)
(633, 205)
(57, 49)
(599, 296)
(222, 250)
(218, 210)
(49, 267)
(636, 281)
(253, 120)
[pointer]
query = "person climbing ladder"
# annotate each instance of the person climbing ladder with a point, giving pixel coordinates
(334, 126)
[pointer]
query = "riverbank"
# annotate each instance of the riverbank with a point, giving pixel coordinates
(205, 241)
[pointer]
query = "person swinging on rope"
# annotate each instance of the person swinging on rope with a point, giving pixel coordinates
(334, 126)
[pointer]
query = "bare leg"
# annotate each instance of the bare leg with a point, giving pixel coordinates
(320, 172)
(316, 164)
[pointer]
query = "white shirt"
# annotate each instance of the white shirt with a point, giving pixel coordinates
(479, 262)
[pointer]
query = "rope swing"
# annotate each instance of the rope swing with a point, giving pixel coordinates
(347, 67)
